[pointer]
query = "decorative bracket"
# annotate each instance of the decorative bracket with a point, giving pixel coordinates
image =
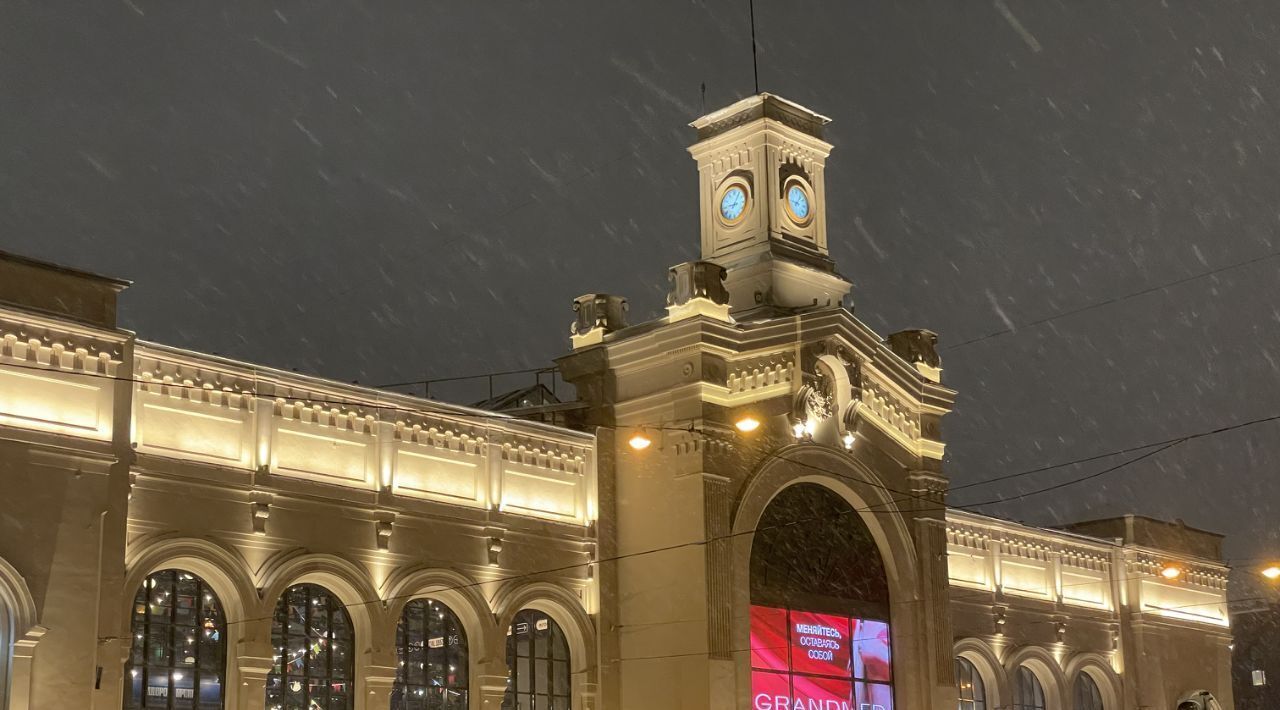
(383, 529)
(261, 514)
(495, 549)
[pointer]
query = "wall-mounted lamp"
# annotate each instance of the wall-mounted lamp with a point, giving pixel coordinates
(640, 442)
(1171, 572)
(747, 424)
(1272, 572)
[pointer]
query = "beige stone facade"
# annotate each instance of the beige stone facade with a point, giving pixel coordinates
(122, 459)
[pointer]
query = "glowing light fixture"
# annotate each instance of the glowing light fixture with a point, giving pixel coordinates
(1272, 572)
(1170, 572)
(810, 426)
(848, 439)
(797, 429)
(640, 442)
(747, 424)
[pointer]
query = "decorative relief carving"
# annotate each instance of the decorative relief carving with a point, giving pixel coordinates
(697, 279)
(968, 537)
(35, 344)
(916, 346)
(731, 160)
(1083, 559)
(755, 374)
(1148, 566)
(598, 310)
(817, 400)
(570, 460)
(316, 413)
(890, 409)
(194, 390)
(463, 442)
(1025, 548)
(700, 442)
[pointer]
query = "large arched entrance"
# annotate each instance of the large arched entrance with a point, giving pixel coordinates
(819, 606)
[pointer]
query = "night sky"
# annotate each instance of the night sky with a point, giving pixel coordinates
(386, 191)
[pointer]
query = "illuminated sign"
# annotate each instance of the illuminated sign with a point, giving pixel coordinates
(803, 660)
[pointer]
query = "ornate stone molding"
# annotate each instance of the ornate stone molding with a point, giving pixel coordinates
(598, 315)
(697, 288)
(758, 373)
(51, 344)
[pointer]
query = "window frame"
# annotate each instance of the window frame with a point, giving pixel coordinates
(977, 687)
(438, 621)
(1089, 685)
(281, 623)
(143, 628)
(514, 698)
(1021, 690)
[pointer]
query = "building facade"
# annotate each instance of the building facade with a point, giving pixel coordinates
(747, 510)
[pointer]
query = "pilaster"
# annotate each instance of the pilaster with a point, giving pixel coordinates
(254, 660)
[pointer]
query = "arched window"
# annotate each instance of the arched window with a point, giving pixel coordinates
(537, 664)
(1028, 694)
(432, 650)
(6, 650)
(820, 630)
(1086, 694)
(315, 659)
(179, 647)
(973, 694)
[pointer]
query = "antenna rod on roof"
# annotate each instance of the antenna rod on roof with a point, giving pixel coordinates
(755, 68)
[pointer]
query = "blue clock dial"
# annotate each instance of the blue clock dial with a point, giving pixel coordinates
(733, 203)
(798, 201)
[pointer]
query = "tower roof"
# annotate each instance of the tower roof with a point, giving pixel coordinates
(764, 105)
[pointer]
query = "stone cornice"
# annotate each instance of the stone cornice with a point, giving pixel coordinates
(294, 392)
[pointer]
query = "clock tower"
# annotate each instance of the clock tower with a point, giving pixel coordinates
(762, 199)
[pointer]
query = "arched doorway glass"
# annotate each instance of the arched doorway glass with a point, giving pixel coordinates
(973, 694)
(178, 653)
(819, 606)
(432, 650)
(537, 664)
(1085, 694)
(1028, 693)
(314, 644)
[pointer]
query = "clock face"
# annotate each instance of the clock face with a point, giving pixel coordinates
(733, 203)
(798, 202)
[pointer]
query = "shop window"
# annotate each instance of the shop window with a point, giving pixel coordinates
(177, 658)
(431, 646)
(537, 664)
(315, 657)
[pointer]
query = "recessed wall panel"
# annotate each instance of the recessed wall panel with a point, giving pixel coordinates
(56, 401)
(443, 475)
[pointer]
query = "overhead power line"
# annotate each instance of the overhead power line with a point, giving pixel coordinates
(1110, 301)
